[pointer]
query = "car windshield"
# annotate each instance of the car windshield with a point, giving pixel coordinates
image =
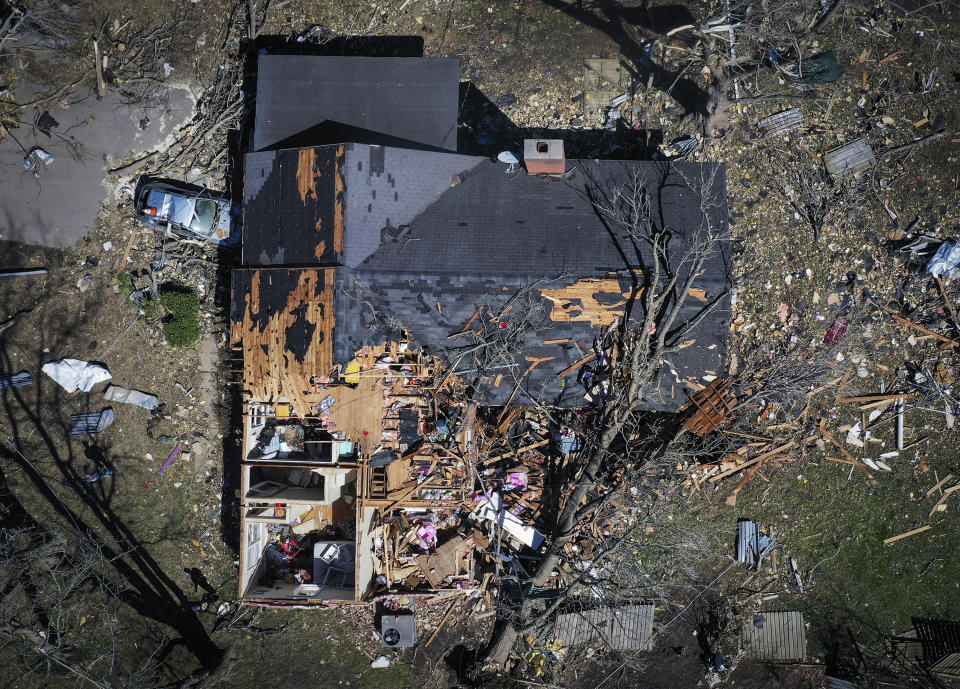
(204, 215)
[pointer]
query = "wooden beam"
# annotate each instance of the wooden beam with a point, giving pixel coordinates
(914, 532)
(518, 451)
(567, 371)
(916, 326)
(466, 328)
(876, 398)
(939, 483)
(409, 491)
(853, 460)
(943, 498)
(101, 87)
(759, 458)
(442, 622)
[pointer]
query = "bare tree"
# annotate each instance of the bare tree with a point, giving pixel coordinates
(60, 611)
(665, 264)
(808, 188)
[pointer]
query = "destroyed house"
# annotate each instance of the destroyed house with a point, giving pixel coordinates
(365, 254)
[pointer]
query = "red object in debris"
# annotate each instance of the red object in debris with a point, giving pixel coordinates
(150, 211)
(836, 331)
(503, 324)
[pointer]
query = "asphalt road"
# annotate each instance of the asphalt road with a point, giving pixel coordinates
(57, 204)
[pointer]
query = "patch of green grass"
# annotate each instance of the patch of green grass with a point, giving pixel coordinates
(125, 280)
(182, 325)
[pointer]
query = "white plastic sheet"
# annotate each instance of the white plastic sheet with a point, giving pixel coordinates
(115, 393)
(73, 374)
(946, 260)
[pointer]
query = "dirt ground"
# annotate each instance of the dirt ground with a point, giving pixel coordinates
(528, 57)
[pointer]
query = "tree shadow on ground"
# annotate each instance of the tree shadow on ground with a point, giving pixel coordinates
(36, 442)
(627, 26)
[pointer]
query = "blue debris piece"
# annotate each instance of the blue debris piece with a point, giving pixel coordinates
(94, 422)
(17, 380)
(752, 544)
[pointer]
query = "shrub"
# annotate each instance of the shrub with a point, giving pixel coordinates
(181, 327)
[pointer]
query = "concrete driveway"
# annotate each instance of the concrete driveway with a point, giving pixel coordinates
(57, 204)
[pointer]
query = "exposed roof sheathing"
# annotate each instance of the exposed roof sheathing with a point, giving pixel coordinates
(294, 207)
(408, 98)
(284, 321)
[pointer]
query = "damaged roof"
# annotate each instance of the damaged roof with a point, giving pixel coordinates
(371, 307)
(284, 320)
(485, 221)
(403, 98)
(425, 239)
(400, 234)
(293, 207)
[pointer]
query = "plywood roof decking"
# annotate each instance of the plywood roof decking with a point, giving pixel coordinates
(283, 320)
(776, 636)
(598, 301)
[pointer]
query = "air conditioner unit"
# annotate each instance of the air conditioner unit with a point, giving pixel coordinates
(398, 631)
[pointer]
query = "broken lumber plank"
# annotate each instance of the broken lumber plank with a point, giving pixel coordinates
(466, 328)
(519, 450)
(876, 398)
(907, 534)
(126, 252)
(749, 435)
(409, 491)
(941, 482)
(853, 460)
(508, 419)
(732, 500)
(567, 371)
(765, 455)
(442, 622)
(560, 341)
(943, 498)
(843, 384)
(916, 326)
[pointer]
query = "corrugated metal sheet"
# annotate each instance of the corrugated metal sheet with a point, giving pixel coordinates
(847, 159)
(752, 545)
(625, 628)
(780, 123)
(948, 665)
(776, 636)
(17, 380)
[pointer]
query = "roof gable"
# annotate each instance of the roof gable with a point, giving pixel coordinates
(410, 98)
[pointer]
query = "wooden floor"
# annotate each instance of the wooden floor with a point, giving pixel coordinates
(358, 412)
